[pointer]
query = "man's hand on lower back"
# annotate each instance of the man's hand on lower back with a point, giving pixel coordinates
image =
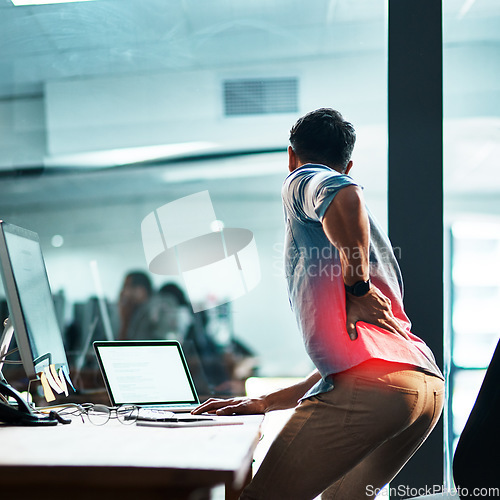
(374, 308)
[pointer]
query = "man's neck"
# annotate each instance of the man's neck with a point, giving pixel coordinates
(322, 165)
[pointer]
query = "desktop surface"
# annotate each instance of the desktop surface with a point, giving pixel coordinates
(126, 459)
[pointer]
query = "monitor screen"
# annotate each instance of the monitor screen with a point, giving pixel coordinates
(30, 301)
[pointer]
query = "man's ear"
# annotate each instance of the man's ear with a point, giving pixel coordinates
(292, 159)
(349, 166)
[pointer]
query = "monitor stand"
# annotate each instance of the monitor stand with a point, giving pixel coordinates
(5, 341)
(20, 413)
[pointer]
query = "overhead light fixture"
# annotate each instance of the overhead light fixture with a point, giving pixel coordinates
(128, 156)
(57, 241)
(230, 168)
(19, 3)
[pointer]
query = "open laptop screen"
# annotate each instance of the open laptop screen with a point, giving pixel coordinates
(145, 373)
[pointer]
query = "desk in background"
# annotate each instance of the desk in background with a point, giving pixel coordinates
(82, 461)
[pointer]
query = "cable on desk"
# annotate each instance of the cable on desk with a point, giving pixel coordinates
(3, 358)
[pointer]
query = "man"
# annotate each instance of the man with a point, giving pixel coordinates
(377, 392)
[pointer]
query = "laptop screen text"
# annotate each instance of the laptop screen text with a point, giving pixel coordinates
(146, 375)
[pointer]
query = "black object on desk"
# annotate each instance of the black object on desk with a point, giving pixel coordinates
(21, 413)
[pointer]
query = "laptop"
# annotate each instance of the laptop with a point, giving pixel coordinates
(150, 374)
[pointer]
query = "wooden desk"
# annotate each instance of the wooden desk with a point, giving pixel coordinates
(82, 461)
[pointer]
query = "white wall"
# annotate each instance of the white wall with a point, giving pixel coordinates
(131, 111)
(22, 133)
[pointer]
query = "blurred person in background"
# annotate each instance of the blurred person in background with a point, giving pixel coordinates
(135, 295)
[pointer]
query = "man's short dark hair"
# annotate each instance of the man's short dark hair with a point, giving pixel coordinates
(323, 136)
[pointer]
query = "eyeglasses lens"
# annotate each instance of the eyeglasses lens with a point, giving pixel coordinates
(127, 414)
(98, 414)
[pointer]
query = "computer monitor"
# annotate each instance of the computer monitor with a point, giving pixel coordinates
(30, 303)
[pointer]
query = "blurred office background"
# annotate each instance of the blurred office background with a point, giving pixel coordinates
(110, 109)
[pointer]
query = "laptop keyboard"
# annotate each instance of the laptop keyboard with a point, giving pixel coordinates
(155, 415)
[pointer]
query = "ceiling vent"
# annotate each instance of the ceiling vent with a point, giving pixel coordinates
(261, 96)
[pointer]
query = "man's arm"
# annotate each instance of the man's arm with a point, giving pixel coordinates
(347, 227)
(277, 400)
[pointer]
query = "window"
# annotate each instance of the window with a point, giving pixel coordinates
(471, 146)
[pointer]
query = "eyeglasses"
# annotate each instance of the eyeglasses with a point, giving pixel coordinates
(101, 414)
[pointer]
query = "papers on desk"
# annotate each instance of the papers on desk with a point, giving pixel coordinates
(189, 421)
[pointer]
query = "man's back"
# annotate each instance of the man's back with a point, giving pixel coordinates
(315, 281)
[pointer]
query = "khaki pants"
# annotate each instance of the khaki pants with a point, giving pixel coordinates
(348, 443)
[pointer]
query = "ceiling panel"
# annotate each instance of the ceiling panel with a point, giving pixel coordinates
(286, 14)
(111, 24)
(20, 34)
(106, 37)
(57, 41)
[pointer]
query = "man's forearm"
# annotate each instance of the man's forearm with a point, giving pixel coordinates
(347, 226)
(289, 396)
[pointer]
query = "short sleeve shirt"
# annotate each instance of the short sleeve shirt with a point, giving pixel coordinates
(316, 286)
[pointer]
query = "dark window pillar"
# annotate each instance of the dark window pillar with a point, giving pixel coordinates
(416, 192)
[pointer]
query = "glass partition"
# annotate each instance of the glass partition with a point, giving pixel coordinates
(112, 109)
(471, 71)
